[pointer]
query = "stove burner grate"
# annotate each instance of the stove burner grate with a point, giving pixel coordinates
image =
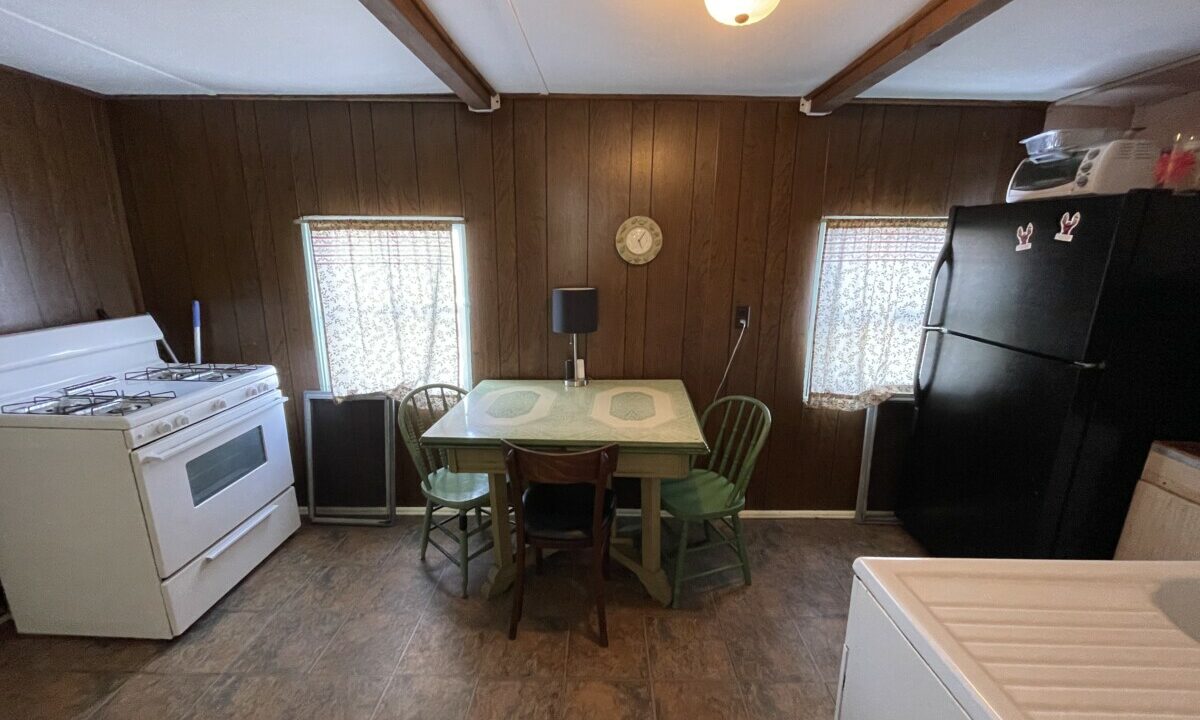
(74, 401)
(191, 372)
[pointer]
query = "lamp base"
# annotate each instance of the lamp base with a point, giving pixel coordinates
(575, 382)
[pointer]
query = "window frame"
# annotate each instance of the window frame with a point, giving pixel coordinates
(458, 245)
(815, 289)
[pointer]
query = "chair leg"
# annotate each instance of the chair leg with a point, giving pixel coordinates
(518, 590)
(598, 585)
(537, 560)
(607, 558)
(680, 553)
(707, 530)
(463, 549)
(425, 528)
(741, 548)
(478, 517)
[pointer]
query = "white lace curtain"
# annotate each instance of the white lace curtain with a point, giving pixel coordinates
(875, 276)
(387, 304)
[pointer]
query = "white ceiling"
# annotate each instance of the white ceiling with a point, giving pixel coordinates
(1039, 50)
(663, 46)
(1028, 50)
(232, 47)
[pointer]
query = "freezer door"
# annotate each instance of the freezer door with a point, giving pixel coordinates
(1040, 295)
(995, 433)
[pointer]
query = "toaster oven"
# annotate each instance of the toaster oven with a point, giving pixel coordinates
(1109, 168)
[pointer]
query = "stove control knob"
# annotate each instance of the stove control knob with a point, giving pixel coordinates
(181, 420)
(251, 392)
(161, 428)
(263, 387)
(219, 404)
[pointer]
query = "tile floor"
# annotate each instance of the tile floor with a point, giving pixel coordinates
(347, 623)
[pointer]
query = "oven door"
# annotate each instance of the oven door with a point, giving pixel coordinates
(200, 483)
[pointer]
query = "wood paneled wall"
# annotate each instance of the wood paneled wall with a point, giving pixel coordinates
(739, 188)
(64, 244)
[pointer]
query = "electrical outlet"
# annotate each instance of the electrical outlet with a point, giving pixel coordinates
(741, 318)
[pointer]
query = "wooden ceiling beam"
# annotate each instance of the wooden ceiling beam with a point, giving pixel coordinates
(931, 26)
(414, 25)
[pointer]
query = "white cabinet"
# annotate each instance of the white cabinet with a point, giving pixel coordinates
(882, 675)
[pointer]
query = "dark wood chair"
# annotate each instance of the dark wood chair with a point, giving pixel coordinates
(562, 500)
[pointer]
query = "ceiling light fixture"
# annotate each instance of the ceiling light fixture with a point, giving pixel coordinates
(739, 12)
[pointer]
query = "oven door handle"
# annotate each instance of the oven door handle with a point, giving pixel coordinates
(255, 520)
(172, 452)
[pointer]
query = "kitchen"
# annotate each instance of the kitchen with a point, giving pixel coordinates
(133, 197)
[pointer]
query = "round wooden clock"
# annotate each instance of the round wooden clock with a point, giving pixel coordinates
(639, 239)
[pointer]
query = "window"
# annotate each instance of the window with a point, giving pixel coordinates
(871, 292)
(389, 303)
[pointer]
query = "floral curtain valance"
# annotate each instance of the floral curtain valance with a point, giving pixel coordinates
(387, 304)
(874, 280)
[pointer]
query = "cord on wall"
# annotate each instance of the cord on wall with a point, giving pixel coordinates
(742, 322)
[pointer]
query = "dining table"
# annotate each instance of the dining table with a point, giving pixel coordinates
(652, 422)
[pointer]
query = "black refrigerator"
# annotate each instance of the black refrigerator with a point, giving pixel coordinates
(1061, 338)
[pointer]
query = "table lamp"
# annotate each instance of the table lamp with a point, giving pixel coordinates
(574, 310)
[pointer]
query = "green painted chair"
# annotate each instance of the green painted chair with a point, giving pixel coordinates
(715, 488)
(418, 411)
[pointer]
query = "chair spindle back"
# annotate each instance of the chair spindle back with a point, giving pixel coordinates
(744, 425)
(418, 411)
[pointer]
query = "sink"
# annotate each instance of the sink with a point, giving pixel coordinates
(1179, 599)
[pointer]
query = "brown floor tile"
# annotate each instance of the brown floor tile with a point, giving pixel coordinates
(313, 544)
(824, 637)
(367, 644)
(269, 586)
(48, 695)
(401, 584)
(687, 649)
(413, 697)
(625, 658)
(154, 697)
(703, 700)
(788, 701)
(211, 644)
(334, 587)
(770, 650)
(592, 699)
(781, 638)
(289, 697)
(539, 650)
(442, 647)
(290, 643)
(526, 699)
(49, 652)
(366, 546)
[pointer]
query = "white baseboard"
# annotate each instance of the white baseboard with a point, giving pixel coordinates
(419, 510)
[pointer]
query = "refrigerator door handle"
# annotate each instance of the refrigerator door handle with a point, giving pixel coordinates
(942, 258)
(925, 330)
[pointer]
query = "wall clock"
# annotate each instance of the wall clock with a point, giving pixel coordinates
(639, 239)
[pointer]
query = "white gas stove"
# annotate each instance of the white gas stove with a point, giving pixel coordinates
(162, 484)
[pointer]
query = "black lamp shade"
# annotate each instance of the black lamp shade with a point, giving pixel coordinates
(574, 310)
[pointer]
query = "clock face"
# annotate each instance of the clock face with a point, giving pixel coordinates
(639, 240)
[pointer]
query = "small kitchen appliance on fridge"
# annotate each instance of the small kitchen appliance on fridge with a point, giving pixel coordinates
(1060, 340)
(133, 493)
(1082, 162)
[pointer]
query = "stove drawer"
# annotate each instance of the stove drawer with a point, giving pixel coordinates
(202, 582)
(202, 482)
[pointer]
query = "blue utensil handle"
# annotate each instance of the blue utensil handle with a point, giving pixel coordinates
(195, 313)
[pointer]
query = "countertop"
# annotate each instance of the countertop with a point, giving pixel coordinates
(1041, 639)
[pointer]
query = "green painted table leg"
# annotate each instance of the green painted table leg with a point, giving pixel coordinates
(504, 569)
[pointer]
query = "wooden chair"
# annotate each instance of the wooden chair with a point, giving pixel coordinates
(418, 411)
(715, 488)
(562, 500)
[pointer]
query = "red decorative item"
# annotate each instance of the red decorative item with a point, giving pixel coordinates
(1175, 167)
